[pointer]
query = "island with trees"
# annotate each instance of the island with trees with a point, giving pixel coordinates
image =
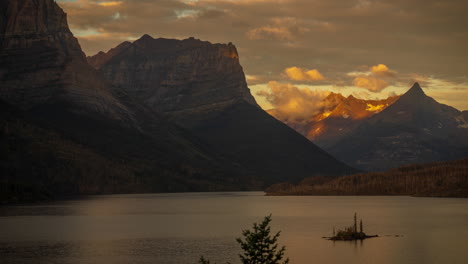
(351, 232)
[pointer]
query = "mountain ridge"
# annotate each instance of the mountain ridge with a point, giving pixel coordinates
(59, 108)
(221, 110)
(416, 128)
(337, 117)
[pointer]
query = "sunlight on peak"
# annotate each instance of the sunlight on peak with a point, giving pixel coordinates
(375, 108)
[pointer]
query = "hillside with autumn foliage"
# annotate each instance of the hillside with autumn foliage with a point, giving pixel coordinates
(435, 179)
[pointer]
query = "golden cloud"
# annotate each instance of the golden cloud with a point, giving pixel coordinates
(299, 74)
(111, 3)
(376, 79)
(370, 83)
(293, 103)
(382, 70)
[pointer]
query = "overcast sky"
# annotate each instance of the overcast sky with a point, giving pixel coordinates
(371, 49)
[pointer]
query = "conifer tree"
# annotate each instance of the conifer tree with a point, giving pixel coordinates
(259, 246)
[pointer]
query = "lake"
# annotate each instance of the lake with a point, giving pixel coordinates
(178, 228)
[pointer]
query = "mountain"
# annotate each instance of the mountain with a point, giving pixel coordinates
(158, 116)
(414, 129)
(182, 79)
(64, 131)
(337, 117)
(42, 66)
(202, 87)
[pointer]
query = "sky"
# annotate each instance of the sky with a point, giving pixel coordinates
(370, 49)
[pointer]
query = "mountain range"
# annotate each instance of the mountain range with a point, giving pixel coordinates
(201, 87)
(377, 135)
(337, 117)
(414, 129)
(149, 115)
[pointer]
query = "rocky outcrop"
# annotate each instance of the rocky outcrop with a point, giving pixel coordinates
(181, 78)
(41, 62)
(415, 129)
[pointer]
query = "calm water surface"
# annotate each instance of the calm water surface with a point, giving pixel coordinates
(178, 228)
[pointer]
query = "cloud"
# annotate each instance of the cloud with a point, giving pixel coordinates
(376, 79)
(111, 3)
(293, 103)
(270, 32)
(382, 70)
(299, 74)
(280, 28)
(370, 83)
(423, 37)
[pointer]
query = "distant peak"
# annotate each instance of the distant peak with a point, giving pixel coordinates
(415, 90)
(145, 37)
(336, 96)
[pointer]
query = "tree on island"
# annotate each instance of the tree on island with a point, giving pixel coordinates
(259, 246)
(350, 232)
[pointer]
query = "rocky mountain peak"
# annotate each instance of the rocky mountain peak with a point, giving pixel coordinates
(41, 62)
(178, 77)
(25, 23)
(102, 57)
(144, 40)
(415, 91)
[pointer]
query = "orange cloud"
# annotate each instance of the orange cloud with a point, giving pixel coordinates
(111, 3)
(382, 70)
(370, 83)
(374, 80)
(299, 74)
(293, 103)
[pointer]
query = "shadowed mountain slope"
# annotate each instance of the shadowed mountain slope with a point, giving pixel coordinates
(66, 131)
(201, 86)
(414, 129)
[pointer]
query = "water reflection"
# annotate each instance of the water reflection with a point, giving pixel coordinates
(178, 228)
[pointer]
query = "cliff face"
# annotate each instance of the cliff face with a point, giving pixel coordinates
(63, 129)
(202, 87)
(41, 62)
(180, 78)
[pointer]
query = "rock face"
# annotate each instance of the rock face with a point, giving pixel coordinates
(338, 117)
(64, 130)
(180, 78)
(102, 57)
(202, 87)
(414, 129)
(41, 62)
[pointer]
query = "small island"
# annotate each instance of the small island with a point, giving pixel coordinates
(350, 233)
